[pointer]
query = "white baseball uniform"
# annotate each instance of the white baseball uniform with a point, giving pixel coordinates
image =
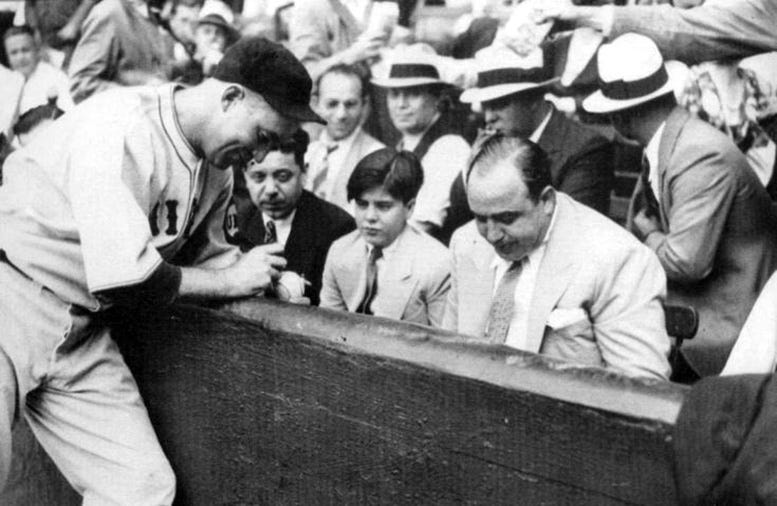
(110, 192)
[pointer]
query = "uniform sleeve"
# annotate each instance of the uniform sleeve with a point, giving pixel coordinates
(628, 314)
(94, 57)
(712, 31)
(106, 187)
(444, 161)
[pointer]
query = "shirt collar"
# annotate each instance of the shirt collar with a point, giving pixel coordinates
(343, 144)
(651, 150)
(280, 222)
(410, 141)
(535, 136)
(169, 118)
(389, 250)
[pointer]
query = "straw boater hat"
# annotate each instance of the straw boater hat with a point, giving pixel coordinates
(504, 72)
(410, 69)
(631, 72)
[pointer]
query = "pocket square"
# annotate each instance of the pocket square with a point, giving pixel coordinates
(564, 317)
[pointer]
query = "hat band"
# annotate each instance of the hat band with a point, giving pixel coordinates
(404, 70)
(513, 76)
(627, 90)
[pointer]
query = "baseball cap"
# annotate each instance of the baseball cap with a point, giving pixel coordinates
(272, 71)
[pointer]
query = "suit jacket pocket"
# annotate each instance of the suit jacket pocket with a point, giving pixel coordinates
(574, 342)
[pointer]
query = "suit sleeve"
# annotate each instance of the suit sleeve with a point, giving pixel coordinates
(588, 177)
(628, 315)
(450, 319)
(437, 292)
(331, 296)
(702, 194)
(713, 31)
(94, 57)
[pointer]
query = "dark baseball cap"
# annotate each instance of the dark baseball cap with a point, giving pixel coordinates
(272, 71)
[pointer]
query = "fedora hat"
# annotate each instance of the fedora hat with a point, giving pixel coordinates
(631, 72)
(410, 68)
(503, 72)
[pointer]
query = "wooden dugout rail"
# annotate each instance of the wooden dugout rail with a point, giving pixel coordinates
(276, 404)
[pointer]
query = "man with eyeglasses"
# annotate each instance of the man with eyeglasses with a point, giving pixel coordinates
(101, 212)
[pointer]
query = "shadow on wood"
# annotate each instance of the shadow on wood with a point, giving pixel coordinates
(278, 404)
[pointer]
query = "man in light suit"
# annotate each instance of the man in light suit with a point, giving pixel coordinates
(698, 205)
(341, 99)
(386, 267)
(540, 272)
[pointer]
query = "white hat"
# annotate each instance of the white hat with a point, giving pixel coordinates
(631, 72)
(504, 72)
(410, 68)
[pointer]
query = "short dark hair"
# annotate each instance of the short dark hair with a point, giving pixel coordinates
(296, 145)
(18, 30)
(33, 117)
(527, 157)
(356, 71)
(398, 172)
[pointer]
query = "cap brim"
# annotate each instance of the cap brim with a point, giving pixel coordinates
(597, 103)
(406, 82)
(480, 95)
(299, 112)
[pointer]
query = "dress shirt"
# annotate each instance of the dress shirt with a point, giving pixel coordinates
(524, 289)
(535, 136)
(651, 153)
(282, 226)
(335, 159)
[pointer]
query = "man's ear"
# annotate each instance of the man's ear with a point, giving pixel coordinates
(410, 206)
(231, 95)
(548, 198)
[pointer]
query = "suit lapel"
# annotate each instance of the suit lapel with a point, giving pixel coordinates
(349, 163)
(300, 246)
(674, 124)
(552, 141)
(352, 271)
(553, 274)
(399, 280)
(478, 278)
(253, 228)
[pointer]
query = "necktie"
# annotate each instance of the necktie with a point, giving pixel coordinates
(372, 281)
(319, 179)
(650, 202)
(270, 235)
(501, 312)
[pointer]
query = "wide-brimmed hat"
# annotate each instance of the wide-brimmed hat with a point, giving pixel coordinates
(409, 69)
(218, 20)
(631, 72)
(504, 72)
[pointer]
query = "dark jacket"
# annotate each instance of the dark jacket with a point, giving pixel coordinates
(316, 225)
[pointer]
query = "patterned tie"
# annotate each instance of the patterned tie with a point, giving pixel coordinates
(270, 235)
(501, 313)
(650, 202)
(372, 281)
(319, 179)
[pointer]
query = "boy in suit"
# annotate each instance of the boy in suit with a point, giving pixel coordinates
(387, 268)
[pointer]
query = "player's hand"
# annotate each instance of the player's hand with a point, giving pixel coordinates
(364, 49)
(256, 270)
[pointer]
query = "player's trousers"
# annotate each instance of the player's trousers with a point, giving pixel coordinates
(62, 371)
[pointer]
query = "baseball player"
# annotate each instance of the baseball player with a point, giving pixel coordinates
(96, 214)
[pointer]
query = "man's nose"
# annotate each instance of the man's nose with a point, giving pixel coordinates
(371, 214)
(493, 232)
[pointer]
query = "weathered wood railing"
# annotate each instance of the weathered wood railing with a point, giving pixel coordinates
(271, 403)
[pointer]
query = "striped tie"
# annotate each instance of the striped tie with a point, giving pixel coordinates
(502, 306)
(270, 235)
(319, 179)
